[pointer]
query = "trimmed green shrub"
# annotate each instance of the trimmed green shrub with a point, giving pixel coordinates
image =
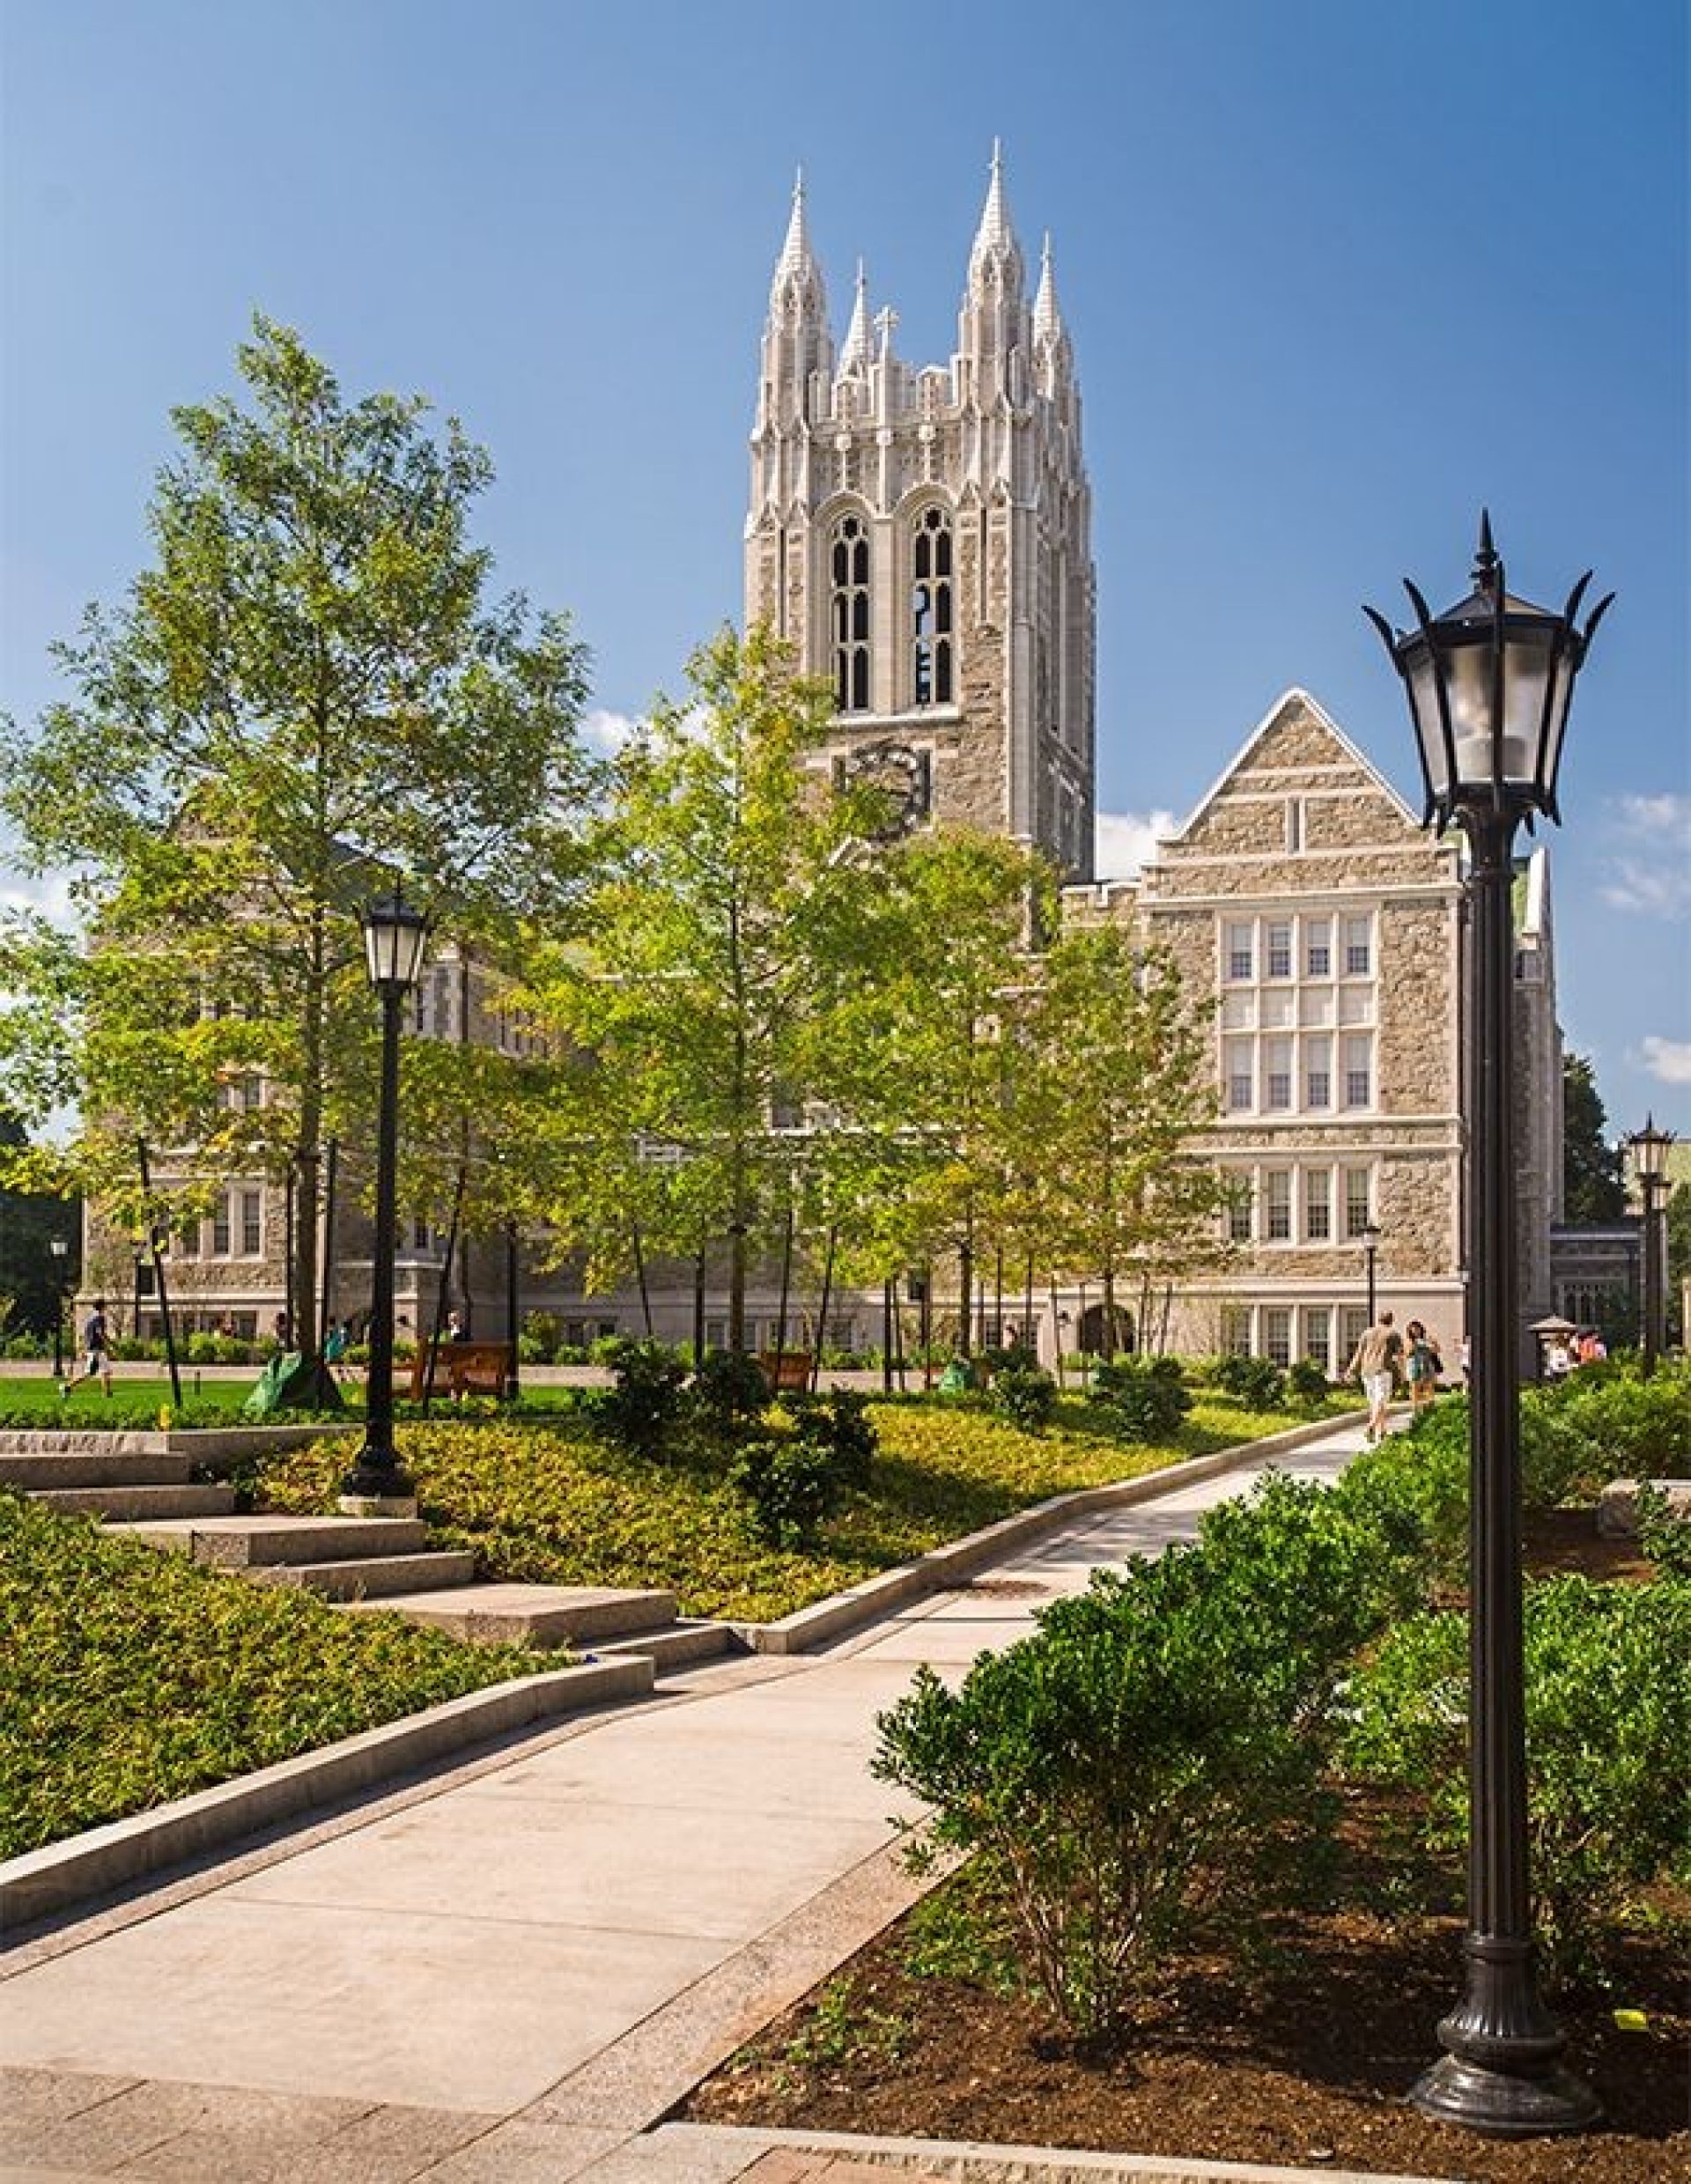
(1665, 1537)
(1307, 1383)
(1608, 1729)
(1026, 1395)
(640, 1411)
(838, 1424)
(793, 1487)
(1141, 1398)
(729, 1389)
(1157, 1741)
(1256, 1382)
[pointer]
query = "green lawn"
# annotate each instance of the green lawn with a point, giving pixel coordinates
(37, 1402)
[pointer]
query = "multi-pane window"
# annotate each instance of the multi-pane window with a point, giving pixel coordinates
(1353, 1325)
(1359, 1201)
(252, 1224)
(1317, 1072)
(1238, 1212)
(1277, 1333)
(1318, 1336)
(1277, 1073)
(1359, 947)
(220, 1229)
(850, 572)
(1277, 1205)
(1241, 1076)
(1317, 947)
(930, 611)
(1279, 950)
(1318, 1203)
(1235, 1331)
(1359, 1068)
(187, 1244)
(1241, 951)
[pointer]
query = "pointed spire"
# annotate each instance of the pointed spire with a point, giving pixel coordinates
(795, 261)
(857, 356)
(1047, 318)
(994, 236)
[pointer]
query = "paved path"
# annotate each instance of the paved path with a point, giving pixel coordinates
(510, 1971)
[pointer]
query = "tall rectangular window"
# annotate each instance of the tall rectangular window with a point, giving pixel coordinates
(1359, 1201)
(1241, 1083)
(1318, 1203)
(187, 1244)
(252, 1224)
(1241, 951)
(1277, 1333)
(1277, 1205)
(1359, 1073)
(1318, 1073)
(1353, 1325)
(1235, 1331)
(1317, 947)
(220, 1226)
(1238, 1211)
(1318, 1336)
(1359, 948)
(1277, 1057)
(1280, 949)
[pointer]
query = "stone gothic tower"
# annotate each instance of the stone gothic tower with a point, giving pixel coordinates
(923, 536)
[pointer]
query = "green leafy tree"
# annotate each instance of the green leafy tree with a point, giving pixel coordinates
(309, 692)
(725, 918)
(1592, 1189)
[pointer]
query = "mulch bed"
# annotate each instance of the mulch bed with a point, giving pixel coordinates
(1300, 2054)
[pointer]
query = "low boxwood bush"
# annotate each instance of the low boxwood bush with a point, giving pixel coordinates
(793, 1486)
(1157, 1741)
(1307, 1383)
(838, 1424)
(1026, 1395)
(1141, 1398)
(1608, 1732)
(643, 1407)
(729, 1389)
(1257, 1380)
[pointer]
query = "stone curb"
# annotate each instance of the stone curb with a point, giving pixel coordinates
(211, 1441)
(943, 1568)
(52, 1880)
(695, 2152)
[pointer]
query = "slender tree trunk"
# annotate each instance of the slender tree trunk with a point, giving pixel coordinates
(639, 1275)
(1056, 1338)
(821, 1310)
(965, 1295)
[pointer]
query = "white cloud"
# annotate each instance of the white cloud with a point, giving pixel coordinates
(49, 896)
(1649, 870)
(1123, 841)
(607, 732)
(1668, 1060)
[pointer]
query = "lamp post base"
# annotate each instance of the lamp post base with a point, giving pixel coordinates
(378, 1489)
(1503, 2104)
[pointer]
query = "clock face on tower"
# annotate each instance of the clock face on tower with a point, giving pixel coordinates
(902, 776)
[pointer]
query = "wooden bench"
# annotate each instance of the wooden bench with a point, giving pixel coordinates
(461, 1368)
(790, 1370)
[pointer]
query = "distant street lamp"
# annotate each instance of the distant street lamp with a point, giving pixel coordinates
(396, 936)
(1649, 1158)
(1370, 1246)
(1490, 684)
(60, 1247)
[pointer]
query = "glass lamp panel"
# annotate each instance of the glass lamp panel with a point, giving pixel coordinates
(1422, 679)
(1528, 661)
(394, 941)
(1561, 691)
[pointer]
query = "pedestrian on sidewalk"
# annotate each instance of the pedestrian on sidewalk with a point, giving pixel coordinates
(1375, 1365)
(96, 1349)
(1422, 1365)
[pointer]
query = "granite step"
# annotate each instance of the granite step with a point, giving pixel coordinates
(686, 1641)
(128, 1507)
(370, 1577)
(33, 1471)
(544, 1615)
(245, 1542)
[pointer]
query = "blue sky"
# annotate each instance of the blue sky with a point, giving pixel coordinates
(1336, 273)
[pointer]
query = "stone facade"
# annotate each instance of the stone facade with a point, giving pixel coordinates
(1303, 897)
(921, 535)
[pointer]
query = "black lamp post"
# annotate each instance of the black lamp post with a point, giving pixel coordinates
(1370, 1246)
(60, 1247)
(395, 937)
(1490, 684)
(1649, 1158)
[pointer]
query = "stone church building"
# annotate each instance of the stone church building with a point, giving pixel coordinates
(921, 534)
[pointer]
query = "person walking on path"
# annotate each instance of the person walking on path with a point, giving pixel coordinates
(1422, 1365)
(1376, 1363)
(96, 1349)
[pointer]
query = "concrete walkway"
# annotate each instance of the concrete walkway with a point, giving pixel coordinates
(512, 1970)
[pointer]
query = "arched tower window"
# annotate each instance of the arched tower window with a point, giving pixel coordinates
(850, 570)
(930, 609)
